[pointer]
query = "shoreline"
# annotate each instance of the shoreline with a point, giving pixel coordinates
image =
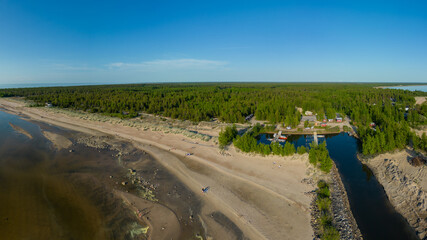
(233, 177)
(415, 85)
(405, 186)
(347, 225)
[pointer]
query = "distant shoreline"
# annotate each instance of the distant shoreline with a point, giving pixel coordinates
(401, 86)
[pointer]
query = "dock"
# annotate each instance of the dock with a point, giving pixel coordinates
(316, 141)
(276, 136)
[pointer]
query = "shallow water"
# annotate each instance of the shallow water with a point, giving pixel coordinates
(47, 194)
(50, 194)
(422, 88)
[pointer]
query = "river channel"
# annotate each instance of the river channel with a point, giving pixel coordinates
(374, 214)
(376, 217)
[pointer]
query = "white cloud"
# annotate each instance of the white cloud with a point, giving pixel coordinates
(185, 63)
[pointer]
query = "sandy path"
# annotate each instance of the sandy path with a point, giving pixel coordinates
(420, 100)
(263, 196)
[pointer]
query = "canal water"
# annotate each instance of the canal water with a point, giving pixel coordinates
(371, 208)
(297, 140)
(375, 216)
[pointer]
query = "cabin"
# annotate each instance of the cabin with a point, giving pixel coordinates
(338, 118)
(330, 120)
(323, 124)
(372, 124)
(308, 118)
(249, 117)
(324, 120)
(48, 105)
(308, 113)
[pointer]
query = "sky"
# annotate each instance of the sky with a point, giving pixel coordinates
(139, 41)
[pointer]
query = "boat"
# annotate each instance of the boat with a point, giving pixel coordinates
(283, 137)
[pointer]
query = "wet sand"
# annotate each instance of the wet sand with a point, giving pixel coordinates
(58, 141)
(20, 130)
(264, 197)
(57, 196)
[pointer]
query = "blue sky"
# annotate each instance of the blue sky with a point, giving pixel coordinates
(168, 41)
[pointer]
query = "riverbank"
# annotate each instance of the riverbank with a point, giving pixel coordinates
(343, 217)
(405, 185)
(262, 197)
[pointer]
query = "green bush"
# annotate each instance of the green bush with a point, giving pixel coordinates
(325, 220)
(289, 149)
(346, 128)
(301, 150)
(248, 143)
(227, 135)
(323, 191)
(330, 233)
(323, 202)
(319, 157)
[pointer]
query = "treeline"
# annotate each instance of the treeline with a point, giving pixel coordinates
(391, 129)
(227, 135)
(229, 102)
(232, 102)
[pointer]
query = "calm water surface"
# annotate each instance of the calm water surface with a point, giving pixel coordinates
(422, 88)
(371, 208)
(297, 140)
(47, 194)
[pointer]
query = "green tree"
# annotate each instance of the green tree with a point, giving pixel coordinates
(319, 156)
(227, 135)
(301, 150)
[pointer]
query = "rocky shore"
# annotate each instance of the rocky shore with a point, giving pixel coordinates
(405, 186)
(343, 218)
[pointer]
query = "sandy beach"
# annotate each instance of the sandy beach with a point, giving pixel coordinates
(264, 197)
